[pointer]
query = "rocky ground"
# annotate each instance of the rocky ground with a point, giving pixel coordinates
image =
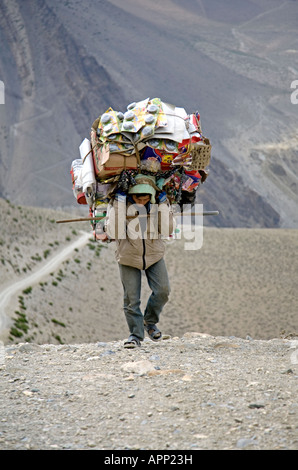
(183, 393)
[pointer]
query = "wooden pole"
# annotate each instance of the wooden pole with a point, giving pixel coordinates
(182, 214)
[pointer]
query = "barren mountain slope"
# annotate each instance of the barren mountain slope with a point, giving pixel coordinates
(64, 63)
(240, 282)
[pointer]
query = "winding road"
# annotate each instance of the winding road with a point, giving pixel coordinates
(44, 270)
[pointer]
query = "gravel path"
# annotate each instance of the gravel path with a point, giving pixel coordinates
(189, 393)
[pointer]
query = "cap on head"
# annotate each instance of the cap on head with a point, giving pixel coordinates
(145, 184)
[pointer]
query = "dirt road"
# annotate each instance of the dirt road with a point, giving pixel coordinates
(35, 277)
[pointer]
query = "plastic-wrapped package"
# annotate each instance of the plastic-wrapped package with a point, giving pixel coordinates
(191, 180)
(77, 184)
(88, 174)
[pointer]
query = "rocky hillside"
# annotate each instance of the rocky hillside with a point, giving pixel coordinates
(241, 282)
(234, 62)
(29, 236)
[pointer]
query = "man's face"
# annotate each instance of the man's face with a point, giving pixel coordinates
(141, 199)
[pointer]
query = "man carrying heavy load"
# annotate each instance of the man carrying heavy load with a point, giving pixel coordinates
(138, 223)
(155, 153)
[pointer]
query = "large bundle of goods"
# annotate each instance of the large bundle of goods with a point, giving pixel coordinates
(151, 137)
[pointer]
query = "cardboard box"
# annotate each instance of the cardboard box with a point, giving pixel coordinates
(111, 164)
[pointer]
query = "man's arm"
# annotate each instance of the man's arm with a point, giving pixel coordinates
(115, 225)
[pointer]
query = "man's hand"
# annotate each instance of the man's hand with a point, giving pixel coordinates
(162, 197)
(120, 196)
(102, 237)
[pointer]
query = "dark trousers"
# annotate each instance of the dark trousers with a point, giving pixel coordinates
(158, 281)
